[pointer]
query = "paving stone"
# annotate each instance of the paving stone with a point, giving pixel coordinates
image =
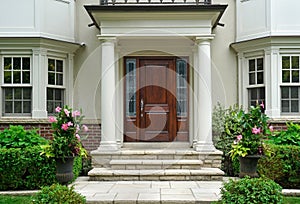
(177, 191)
(182, 198)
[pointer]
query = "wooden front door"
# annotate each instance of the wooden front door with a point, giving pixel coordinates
(151, 94)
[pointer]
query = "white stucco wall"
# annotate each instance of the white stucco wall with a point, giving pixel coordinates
(35, 18)
(261, 18)
(87, 69)
(224, 62)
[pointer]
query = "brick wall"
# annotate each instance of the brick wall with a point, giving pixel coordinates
(90, 142)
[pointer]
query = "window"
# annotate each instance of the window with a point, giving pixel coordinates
(130, 87)
(290, 84)
(181, 87)
(55, 89)
(256, 89)
(16, 86)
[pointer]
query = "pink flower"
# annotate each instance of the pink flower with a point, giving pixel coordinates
(77, 128)
(76, 113)
(64, 127)
(255, 130)
(239, 137)
(85, 128)
(52, 119)
(78, 137)
(67, 112)
(69, 123)
(271, 128)
(262, 105)
(57, 109)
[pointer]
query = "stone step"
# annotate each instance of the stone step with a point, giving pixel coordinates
(203, 174)
(155, 164)
(209, 159)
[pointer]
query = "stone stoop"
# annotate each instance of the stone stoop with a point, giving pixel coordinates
(156, 165)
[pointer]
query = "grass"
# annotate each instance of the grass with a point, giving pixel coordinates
(6, 199)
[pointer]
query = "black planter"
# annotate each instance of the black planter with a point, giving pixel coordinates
(248, 166)
(64, 170)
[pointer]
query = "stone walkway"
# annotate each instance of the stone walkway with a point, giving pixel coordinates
(114, 192)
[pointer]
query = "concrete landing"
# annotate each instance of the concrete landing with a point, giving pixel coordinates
(147, 192)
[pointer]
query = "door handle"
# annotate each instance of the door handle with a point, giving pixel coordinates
(142, 107)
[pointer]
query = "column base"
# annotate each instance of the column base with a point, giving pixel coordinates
(108, 147)
(204, 147)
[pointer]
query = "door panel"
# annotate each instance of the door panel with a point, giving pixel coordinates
(155, 117)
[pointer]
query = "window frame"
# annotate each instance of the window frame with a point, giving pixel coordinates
(255, 85)
(55, 86)
(289, 84)
(16, 85)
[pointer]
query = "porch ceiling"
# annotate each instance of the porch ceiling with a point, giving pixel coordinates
(188, 20)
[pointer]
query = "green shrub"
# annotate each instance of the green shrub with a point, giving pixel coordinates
(17, 137)
(231, 128)
(291, 136)
(282, 165)
(25, 169)
(57, 193)
(77, 166)
(255, 190)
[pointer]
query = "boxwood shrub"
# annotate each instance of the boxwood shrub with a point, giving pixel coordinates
(250, 191)
(282, 166)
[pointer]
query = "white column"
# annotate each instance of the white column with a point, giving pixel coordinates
(272, 82)
(39, 65)
(69, 79)
(203, 104)
(108, 88)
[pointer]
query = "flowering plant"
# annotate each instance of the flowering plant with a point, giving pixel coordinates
(253, 128)
(67, 127)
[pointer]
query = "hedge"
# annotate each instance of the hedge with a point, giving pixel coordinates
(25, 169)
(282, 166)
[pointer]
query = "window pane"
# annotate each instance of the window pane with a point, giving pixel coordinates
(262, 93)
(17, 93)
(17, 77)
(8, 92)
(252, 65)
(58, 94)
(294, 106)
(294, 92)
(295, 76)
(285, 92)
(17, 107)
(260, 64)
(51, 78)
(253, 94)
(26, 63)
(295, 62)
(8, 107)
(50, 94)
(26, 77)
(7, 63)
(59, 65)
(252, 78)
(26, 106)
(26, 93)
(285, 106)
(50, 107)
(51, 65)
(7, 77)
(260, 77)
(285, 76)
(285, 62)
(59, 79)
(17, 63)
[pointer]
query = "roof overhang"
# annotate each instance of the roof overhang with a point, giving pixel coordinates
(117, 13)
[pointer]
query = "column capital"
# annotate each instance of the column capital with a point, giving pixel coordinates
(109, 39)
(37, 51)
(204, 38)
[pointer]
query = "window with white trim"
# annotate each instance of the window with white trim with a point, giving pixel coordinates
(16, 86)
(256, 86)
(290, 96)
(55, 89)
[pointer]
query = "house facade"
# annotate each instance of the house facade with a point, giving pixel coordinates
(147, 72)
